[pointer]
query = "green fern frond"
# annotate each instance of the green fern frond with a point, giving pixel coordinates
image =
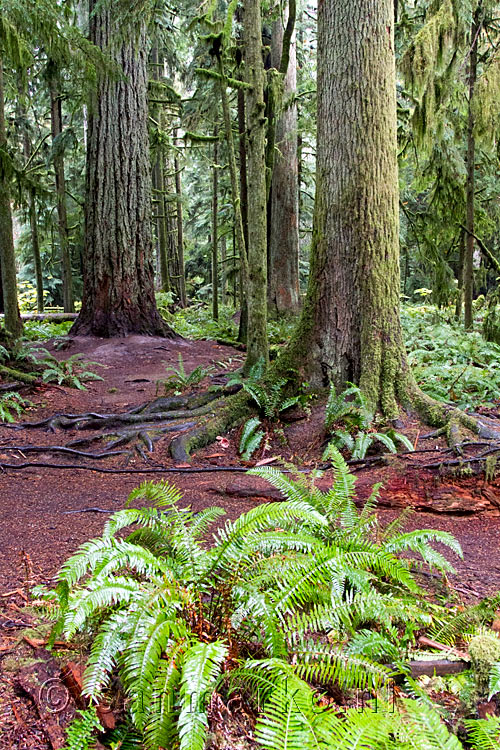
(200, 670)
(483, 734)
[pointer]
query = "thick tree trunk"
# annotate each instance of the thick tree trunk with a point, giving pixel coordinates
(283, 250)
(12, 320)
(58, 161)
(118, 296)
(350, 327)
(468, 280)
(257, 344)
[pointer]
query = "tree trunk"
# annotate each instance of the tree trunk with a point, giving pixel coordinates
(35, 240)
(283, 216)
(460, 277)
(468, 281)
(215, 238)
(118, 296)
(350, 327)
(158, 188)
(257, 344)
(180, 229)
(12, 320)
(223, 280)
(58, 161)
(242, 146)
(171, 227)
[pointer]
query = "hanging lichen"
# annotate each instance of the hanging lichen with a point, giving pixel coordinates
(427, 65)
(487, 100)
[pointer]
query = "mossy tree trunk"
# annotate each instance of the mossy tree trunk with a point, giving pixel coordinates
(350, 326)
(468, 273)
(215, 232)
(283, 208)
(256, 126)
(118, 296)
(12, 320)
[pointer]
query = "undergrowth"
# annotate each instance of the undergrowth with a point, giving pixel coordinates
(451, 364)
(289, 602)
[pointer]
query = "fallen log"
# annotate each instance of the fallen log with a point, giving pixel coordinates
(60, 316)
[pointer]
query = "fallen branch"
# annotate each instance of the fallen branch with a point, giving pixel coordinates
(23, 377)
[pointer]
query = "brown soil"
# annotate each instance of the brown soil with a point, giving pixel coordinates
(38, 531)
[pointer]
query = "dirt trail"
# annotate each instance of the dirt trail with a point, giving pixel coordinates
(35, 502)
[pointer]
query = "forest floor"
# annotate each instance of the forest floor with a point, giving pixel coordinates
(46, 513)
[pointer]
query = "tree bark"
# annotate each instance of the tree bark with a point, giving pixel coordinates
(12, 320)
(256, 124)
(468, 280)
(350, 327)
(118, 296)
(158, 188)
(58, 161)
(283, 215)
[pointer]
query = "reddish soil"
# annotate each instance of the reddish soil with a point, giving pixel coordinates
(34, 518)
(38, 529)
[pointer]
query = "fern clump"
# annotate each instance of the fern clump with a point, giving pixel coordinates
(12, 403)
(349, 422)
(81, 733)
(299, 582)
(270, 399)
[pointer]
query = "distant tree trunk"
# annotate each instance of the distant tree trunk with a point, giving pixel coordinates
(350, 328)
(283, 250)
(257, 344)
(460, 277)
(12, 320)
(118, 296)
(180, 230)
(171, 227)
(158, 188)
(35, 240)
(215, 238)
(223, 280)
(58, 161)
(471, 166)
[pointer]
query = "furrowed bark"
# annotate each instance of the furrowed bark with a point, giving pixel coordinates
(118, 294)
(350, 328)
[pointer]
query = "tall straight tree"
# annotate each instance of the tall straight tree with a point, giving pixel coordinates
(12, 320)
(257, 345)
(350, 327)
(118, 296)
(283, 209)
(58, 161)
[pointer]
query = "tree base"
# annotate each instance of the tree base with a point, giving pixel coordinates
(105, 324)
